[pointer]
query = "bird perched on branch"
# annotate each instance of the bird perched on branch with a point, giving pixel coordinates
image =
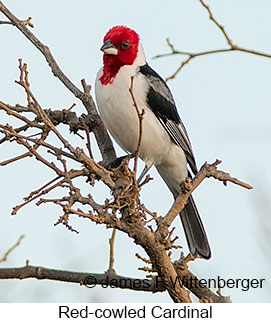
(165, 143)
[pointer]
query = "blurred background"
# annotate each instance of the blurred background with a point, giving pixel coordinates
(224, 101)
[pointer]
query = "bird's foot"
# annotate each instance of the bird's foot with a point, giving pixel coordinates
(116, 162)
(186, 185)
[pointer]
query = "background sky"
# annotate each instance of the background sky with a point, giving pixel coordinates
(224, 101)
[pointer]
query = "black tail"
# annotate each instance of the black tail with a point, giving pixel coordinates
(194, 231)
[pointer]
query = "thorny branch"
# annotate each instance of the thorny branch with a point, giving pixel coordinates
(232, 47)
(124, 211)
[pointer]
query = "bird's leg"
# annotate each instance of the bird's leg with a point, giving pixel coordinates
(148, 165)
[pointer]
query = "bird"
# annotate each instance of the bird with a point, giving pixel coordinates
(164, 143)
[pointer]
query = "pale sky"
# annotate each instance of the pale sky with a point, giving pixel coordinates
(224, 100)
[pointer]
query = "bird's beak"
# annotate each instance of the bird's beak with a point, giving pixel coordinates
(109, 48)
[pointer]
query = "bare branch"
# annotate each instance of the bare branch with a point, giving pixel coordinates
(205, 171)
(90, 280)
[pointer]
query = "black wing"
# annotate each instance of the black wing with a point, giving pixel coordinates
(161, 102)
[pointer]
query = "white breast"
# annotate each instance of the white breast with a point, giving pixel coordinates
(120, 117)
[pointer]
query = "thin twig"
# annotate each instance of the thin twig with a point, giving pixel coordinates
(32, 150)
(88, 144)
(21, 108)
(19, 129)
(42, 188)
(13, 159)
(147, 261)
(179, 68)
(17, 115)
(12, 248)
(111, 253)
(29, 153)
(140, 119)
(32, 198)
(217, 23)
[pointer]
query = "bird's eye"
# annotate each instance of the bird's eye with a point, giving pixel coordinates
(125, 45)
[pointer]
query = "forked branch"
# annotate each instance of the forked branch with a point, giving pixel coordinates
(191, 55)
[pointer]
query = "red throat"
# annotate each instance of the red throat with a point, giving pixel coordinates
(126, 56)
(110, 69)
